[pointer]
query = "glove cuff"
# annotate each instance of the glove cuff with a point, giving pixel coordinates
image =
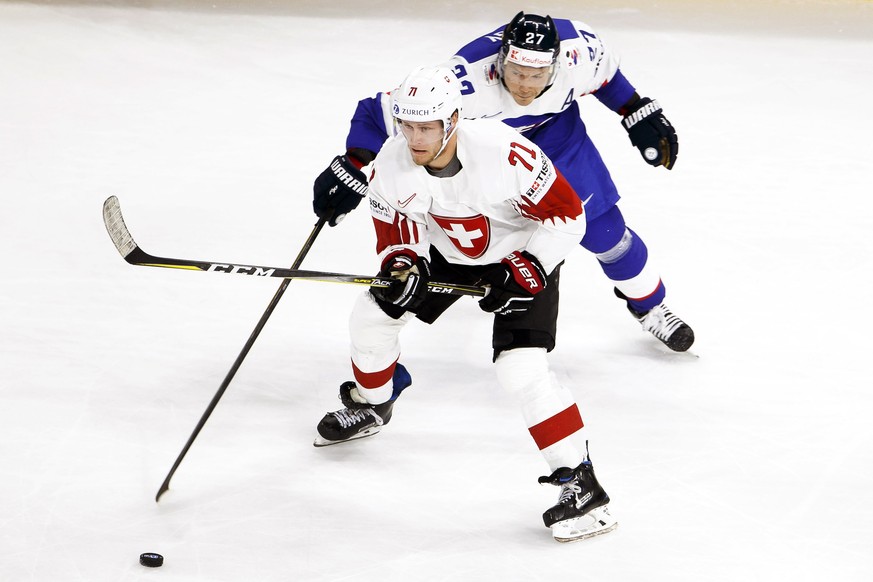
(360, 157)
(354, 161)
(399, 260)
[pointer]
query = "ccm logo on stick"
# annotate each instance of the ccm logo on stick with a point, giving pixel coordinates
(244, 269)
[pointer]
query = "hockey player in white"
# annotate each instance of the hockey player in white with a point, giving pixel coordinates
(472, 202)
(531, 74)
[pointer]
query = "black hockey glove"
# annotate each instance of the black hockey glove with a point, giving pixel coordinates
(338, 190)
(651, 133)
(513, 284)
(411, 276)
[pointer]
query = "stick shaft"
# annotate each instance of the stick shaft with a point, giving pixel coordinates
(239, 359)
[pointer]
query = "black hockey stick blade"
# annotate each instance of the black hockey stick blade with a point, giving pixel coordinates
(133, 254)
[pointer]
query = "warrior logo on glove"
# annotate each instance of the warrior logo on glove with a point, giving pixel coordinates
(651, 133)
(339, 189)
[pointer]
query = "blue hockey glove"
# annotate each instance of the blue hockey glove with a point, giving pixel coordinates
(338, 190)
(411, 275)
(651, 133)
(513, 284)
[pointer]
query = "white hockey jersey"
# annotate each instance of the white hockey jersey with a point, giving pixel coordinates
(584, 66)
(507, 196)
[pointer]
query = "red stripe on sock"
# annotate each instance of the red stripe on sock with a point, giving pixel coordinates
(373, 379)
(644, 297)
(557, 427)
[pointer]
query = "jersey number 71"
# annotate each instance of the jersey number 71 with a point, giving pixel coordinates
(516, 158)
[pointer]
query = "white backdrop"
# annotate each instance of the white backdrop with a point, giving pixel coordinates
(747, 459)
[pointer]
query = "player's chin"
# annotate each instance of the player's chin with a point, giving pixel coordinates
(524, 99)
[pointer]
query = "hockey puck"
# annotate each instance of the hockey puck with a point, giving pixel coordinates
(150, 560)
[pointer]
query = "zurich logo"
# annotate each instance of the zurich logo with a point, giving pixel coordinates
(396, 109)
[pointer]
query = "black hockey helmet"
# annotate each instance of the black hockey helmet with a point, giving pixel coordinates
(531, 32)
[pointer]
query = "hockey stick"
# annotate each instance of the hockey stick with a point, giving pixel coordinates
(134, 255)
(165, 486)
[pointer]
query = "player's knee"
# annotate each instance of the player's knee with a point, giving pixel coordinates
(371, 329)
(627, 259)
(618, 251)
(522, 372)
(604, 232)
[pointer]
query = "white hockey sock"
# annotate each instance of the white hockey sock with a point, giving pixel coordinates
(549, 409)
(375, 348)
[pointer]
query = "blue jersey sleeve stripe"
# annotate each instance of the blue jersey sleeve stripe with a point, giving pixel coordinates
(484, 46)
(368, 129)
(615, 93)
(526, 123)
(566, 30)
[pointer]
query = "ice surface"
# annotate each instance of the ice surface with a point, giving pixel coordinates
(749, 459)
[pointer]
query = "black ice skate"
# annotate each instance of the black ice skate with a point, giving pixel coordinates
(664, 325)
(582, 509)
(359, 420)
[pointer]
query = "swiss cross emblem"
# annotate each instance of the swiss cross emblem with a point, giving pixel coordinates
(470, 235)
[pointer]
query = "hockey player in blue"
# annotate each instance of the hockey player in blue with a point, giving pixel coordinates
(530, 74)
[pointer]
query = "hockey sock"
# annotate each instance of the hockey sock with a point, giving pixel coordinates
(549, 409)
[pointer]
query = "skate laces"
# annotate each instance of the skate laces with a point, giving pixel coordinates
(348, 417)
(661, 322)
(569, 492)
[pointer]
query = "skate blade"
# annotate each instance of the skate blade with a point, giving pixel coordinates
(323, 442)
(596, 522)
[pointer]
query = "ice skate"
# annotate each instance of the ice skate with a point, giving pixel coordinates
(664, 325)
(667, 327)
(359, 420)
(582, 509)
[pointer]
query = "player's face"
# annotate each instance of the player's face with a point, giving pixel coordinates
(525, 83)
(424, 139)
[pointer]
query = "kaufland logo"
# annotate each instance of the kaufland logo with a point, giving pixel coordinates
(528, 58)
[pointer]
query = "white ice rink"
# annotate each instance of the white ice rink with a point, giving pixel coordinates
(749, 459)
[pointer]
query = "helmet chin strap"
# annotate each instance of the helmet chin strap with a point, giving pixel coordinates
(447, 136)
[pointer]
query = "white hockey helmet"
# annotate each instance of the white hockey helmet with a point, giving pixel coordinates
(428, 94)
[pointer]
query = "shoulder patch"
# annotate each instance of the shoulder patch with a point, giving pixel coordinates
(490, 74)
(573, 57)
(543, 181)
